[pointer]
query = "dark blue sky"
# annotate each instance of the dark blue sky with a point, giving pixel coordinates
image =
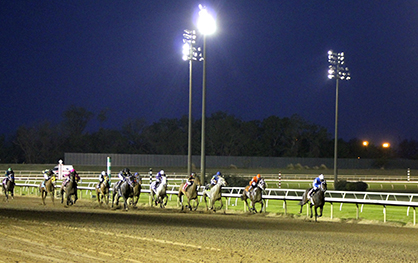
(267, 58)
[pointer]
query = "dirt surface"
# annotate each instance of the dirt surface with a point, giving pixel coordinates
(85, 232)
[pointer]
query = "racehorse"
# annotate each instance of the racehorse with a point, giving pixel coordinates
(136, 191)
(124, 190)
(214, 194)
(190, 193)
(8, 186)
(318, 200)
(47, 187)
(102, 192)
(255, 196)
(70, 189)
(160, 193)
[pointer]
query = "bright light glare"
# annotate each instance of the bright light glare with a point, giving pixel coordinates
(206, 23)
(365, 143)
(386, 145)
(186, 51)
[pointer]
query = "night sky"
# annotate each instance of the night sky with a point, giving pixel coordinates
(266, 58)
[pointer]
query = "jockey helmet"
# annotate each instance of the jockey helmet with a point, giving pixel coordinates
(258, 176)
(72, 171)
(10, 170)
(218, 173)
(136, 174)
(46, 171)
(193, 174)
(103, 173)
(255, 178)
(162, 172)
(321, 177)
(126, 170)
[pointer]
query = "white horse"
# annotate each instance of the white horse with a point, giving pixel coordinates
(160, 193)
(214, 194)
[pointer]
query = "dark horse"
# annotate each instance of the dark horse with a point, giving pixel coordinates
(47, 187)
(318, 200)
(70, 189)
(102, 192)
(124, 190)
(8, 186)
(137, 182)
(190, 193)
(256, 196)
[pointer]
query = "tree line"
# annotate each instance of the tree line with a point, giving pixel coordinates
(226, 135)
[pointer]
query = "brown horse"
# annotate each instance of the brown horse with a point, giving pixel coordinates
(8, 186)
(190, 193)
(47, 187)
(102, 192)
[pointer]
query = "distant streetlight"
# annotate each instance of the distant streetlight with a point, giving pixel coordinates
(385, 145)
(365, 143)
(338, 71)
(190, 53)
(206, 25)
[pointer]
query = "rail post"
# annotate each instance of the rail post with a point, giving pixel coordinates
(409, 174)
(280, 179)
(150, 190)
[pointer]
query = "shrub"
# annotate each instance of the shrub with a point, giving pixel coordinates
(290, 166)
(236, 181)
(298, 166)
(343, 185)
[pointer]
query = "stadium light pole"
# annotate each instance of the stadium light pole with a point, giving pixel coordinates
(206, 25)
(337, 70)
(190, 53)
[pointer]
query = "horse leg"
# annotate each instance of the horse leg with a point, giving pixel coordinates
(75, 196)
(52, 196)
(180, 200)
(62, 196)
(188, 201)
(320, 211)
(43, 196)
(222, 204)
(125, 203)
(310, 205)
(197, 203)
(165, 202)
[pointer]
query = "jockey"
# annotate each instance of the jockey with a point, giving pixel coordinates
(101, 178)
(253, 183)
(67, 177)
(316, 184)
(158, 179)
(47, 175)
(9, 175)
(215, 179)
(189, 181)
(123, 175)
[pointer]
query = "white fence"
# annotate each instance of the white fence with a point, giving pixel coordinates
(230, 193)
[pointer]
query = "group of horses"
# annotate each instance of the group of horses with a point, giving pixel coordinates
(130, 189)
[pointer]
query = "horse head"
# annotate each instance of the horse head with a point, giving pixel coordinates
(324, 186)
(222, 181)
(163, 180)
(262, 184)
(197, 181)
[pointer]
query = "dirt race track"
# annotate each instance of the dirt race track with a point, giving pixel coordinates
(32, 232)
